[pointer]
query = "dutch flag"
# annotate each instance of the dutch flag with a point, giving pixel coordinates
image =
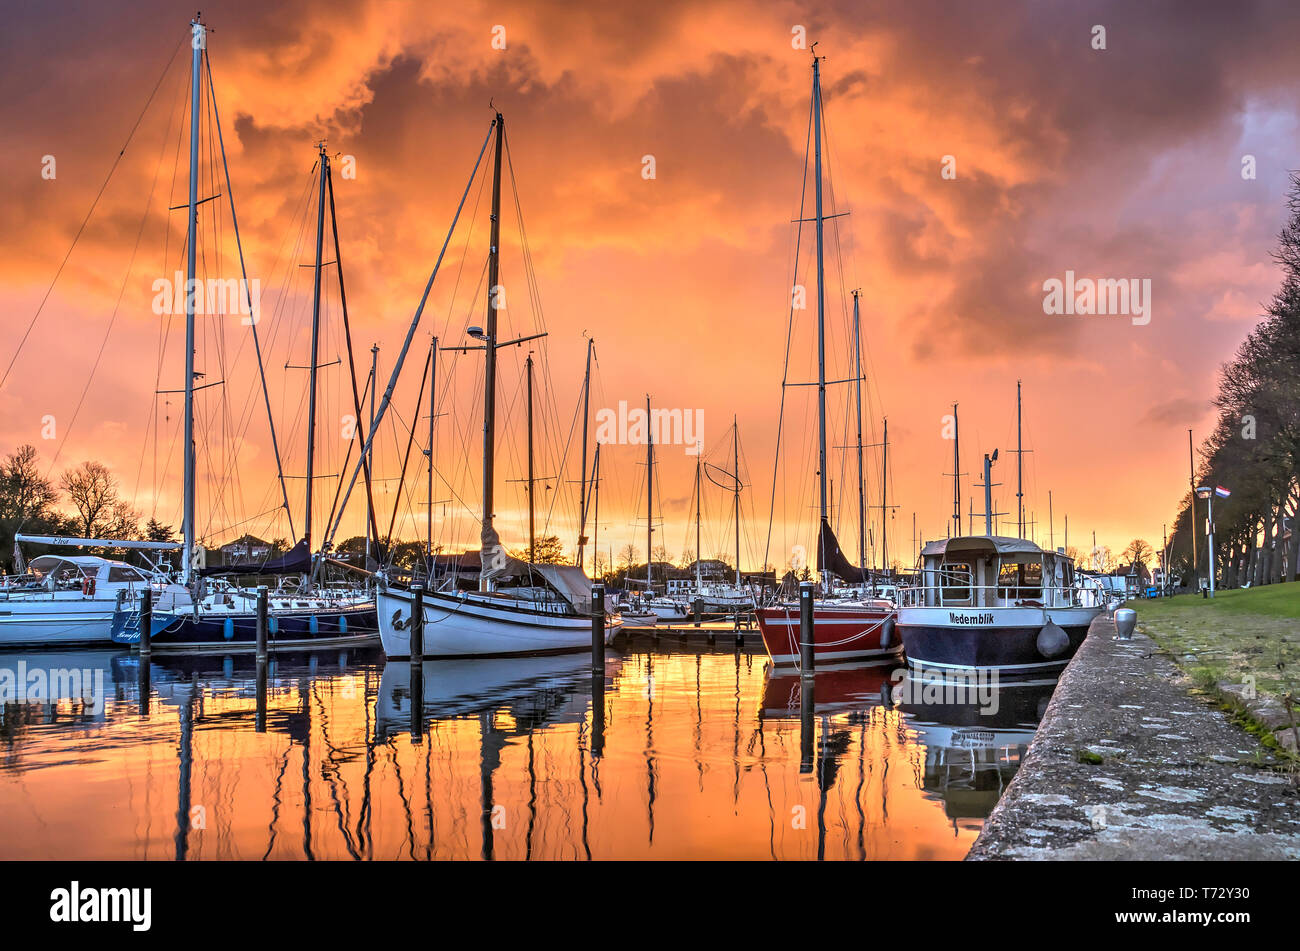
(1221, 492)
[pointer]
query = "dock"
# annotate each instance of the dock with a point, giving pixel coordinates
(712, 632)
(1129, 763)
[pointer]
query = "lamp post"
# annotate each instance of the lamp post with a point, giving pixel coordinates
(1207, 493)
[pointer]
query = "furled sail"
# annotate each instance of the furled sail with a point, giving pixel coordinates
(831, 558)
(296, 560)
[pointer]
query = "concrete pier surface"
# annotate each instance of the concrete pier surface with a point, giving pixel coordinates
(1129, 763)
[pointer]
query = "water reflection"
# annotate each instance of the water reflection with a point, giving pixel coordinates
(683, 752)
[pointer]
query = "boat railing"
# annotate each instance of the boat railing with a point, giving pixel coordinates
(955, 588)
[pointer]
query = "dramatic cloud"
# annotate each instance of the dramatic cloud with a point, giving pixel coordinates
(1117, 163)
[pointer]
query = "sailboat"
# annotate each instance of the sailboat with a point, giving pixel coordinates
(71, 600)
(520, 608)
(843, 629)
(226, 618)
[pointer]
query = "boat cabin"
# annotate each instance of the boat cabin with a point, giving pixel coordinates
(983, 571)
(58, 572)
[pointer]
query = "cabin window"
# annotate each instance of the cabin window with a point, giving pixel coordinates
(956, 582)
(1020, 579)
(123, 575)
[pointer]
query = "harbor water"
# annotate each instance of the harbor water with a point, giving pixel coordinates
(687, 752)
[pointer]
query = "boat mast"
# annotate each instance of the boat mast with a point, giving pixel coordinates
(862, 485)
(1020, 471)
(595, 515)
(490, 341)
(698, 505)
(884, 508)
(315, 341)
(649, 496)
(370, 507)
(582, 496)
(433, 403)
(821, 325)
(532, 532)
(198, 42)
(735, 447)
(956, 472)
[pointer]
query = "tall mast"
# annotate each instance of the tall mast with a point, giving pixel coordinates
(821, 321)
(1051, 523)
(490, 341)
(532, 530)
(735, 448)
(315, 342)
(433, 407)
(595, 515)
(372, 535)
(884, 508)
(198, 42)
(699, 501)
(1020, 470)
(956, 472)
(352, 366)
(649, 495)
(582, 495)
(862, 485)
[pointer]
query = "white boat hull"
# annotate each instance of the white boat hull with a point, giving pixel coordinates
(57, 622)
(474, 625)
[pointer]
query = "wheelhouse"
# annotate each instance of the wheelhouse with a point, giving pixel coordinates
(981, 571)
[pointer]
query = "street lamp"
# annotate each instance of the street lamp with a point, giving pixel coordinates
(1205, 492)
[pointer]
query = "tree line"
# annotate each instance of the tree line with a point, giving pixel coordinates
(1254, 449)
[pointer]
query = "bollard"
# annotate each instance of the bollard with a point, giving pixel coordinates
(146, 623)
(417, 625)
(698, 607)
(598, 629)
(807, 659)
(261, 623)
(1125, 620)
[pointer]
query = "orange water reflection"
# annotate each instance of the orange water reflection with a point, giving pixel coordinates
(699, 755)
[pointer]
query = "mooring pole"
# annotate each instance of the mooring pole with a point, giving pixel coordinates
(807, 660)
(146, 624)
(417, 625)
(262, 622)
(598, 629)
(146, 649)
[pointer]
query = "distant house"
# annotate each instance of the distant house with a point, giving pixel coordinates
(245, 550)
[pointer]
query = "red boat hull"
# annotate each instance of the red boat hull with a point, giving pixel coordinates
(840, 633)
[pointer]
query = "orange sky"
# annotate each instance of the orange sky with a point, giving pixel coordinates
(1117, 163)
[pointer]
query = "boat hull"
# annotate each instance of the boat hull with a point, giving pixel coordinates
(465, 625)
(1002, 639)
(354, 625)
(841, 633)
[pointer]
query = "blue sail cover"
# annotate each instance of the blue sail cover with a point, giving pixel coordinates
(296, 560)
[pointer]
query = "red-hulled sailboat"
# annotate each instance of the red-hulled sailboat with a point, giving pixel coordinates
(851, 628)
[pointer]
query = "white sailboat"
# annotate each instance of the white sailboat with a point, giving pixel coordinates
(520, 608)
(70, 600)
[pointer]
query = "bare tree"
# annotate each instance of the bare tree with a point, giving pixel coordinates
(92, 490)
